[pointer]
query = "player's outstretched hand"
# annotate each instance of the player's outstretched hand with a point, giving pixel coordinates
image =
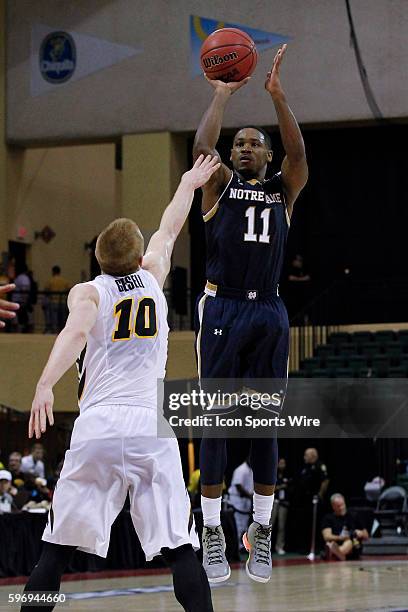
(228, 88)
(41, 409)
(272, 83)
(202, 170)
(7, 309)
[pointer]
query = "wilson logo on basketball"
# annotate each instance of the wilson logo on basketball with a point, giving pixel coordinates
(216, 60)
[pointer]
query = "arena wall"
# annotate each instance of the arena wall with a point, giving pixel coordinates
(70, 189)
(24, 356)
(133, 72)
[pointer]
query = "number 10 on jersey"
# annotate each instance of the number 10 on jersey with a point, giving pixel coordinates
(145, 325)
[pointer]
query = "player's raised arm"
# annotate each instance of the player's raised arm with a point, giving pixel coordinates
(160, 248)
(294, 166)
(207, 136)
(7, 309)
(83, 301)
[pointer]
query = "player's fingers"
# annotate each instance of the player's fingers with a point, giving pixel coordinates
(212, 82)
(240, 84)
(213, 164)
(214, 168)
(30, 426)
(50, 415)
(214, 160)
(7, 288)
(7, 314)
(198, 161)
(208, 162)
(280, 55)
(205, 163)
(43, 419)
(37, 425)
(9, 305)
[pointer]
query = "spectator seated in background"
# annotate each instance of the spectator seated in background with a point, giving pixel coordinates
(240, 495)
(33, 464)
(55, 304)
(312, 482)
(18, 491)
(14, 467)
(342, 531)
(39, 495)
(6, 500)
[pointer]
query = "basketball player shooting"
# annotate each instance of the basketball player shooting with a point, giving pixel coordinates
(241, 322)
(118, 324)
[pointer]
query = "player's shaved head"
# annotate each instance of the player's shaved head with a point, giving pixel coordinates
(119, 248)
(262, 135)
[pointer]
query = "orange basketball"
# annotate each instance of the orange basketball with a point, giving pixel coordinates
(228, 55)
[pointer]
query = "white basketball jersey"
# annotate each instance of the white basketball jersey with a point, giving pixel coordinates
(126, 350)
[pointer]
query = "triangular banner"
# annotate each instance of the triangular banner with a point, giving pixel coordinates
(201, 27)
(60, 56)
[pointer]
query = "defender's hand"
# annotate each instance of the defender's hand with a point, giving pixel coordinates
(272, 83)
(227, 88)
(41, 409)
(202, 170)
(7, 309)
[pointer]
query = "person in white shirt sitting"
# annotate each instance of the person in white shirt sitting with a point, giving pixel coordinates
(240, 496)
(6, 501)
(33, 464)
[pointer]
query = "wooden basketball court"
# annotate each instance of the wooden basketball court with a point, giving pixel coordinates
(298, 586)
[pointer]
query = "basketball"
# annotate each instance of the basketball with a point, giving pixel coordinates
(228, 55)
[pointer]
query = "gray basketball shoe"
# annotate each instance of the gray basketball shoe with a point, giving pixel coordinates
(257, 541)
(214, 560)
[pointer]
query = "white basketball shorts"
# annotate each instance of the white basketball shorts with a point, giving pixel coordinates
(114, 450)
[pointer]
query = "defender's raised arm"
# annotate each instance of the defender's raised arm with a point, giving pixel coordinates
(160, 248)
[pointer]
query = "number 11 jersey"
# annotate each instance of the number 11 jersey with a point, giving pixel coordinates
(246, 232)
(126, 350)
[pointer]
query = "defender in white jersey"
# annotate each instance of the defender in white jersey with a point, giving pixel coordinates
(118, 325)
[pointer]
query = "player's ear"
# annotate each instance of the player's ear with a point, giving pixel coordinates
(270, 155)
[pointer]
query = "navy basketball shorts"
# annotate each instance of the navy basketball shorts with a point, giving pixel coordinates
(242, 342)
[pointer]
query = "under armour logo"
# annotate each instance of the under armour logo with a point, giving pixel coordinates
(252, 295)
(217, 332)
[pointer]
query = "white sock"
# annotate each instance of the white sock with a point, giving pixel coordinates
(211, 511)
(263, 508)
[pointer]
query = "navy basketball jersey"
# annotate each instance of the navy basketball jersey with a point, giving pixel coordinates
(246, 232)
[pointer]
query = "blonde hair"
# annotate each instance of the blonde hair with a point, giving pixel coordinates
(119, 247)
